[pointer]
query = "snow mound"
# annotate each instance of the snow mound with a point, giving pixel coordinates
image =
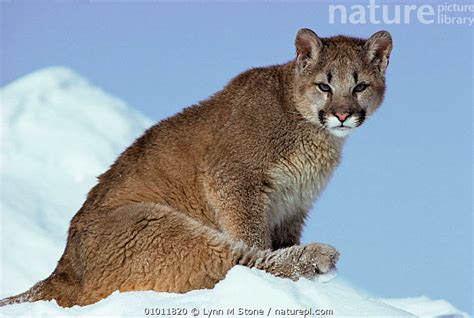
(245, 292)
(58, 132)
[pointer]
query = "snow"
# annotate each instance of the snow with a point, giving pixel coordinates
(58, 132)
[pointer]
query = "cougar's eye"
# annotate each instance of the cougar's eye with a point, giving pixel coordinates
(360, 87)
(324, 87)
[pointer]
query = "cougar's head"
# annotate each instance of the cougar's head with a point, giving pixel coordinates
(340, 80)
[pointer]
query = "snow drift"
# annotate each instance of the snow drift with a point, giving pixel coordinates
(58, 132)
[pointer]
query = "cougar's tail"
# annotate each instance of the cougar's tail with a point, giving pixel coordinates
(35, 293)
(58, 286)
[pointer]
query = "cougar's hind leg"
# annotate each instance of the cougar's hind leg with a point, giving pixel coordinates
(150, 247)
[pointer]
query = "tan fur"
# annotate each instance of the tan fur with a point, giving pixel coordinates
(227, 181)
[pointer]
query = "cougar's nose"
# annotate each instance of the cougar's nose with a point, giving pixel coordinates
(341, 116)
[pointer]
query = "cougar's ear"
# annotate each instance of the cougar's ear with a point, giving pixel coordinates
(308, 46)
(378, 48)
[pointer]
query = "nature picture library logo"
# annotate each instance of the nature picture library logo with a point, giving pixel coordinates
(373, 12)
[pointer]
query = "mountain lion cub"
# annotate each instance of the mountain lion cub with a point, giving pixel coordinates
(227, 181)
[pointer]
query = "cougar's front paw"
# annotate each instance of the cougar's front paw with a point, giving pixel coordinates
(315, 259)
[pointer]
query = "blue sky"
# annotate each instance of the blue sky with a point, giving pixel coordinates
(399, 208)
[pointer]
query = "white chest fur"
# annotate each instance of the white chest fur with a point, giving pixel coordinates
(298, 178)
